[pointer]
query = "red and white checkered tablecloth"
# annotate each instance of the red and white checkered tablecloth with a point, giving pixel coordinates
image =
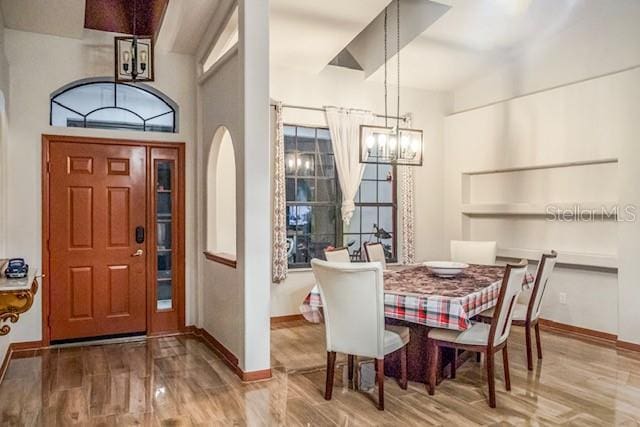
(415, 295)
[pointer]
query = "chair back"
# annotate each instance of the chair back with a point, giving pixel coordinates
(353, 305)
(545, 268)
(509, 290)
(473, 252)
(374, 252)
(337, 255)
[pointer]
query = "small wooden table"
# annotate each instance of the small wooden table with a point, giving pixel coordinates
(16, 297)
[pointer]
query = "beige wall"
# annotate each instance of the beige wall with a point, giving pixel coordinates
(346, 88)
(40, 64)
(587, 121)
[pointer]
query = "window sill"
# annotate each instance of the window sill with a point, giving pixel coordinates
(222, 258)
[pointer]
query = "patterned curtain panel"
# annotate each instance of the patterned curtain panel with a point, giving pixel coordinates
(407, 206)
(279, 238)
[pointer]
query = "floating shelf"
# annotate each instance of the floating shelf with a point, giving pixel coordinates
(539, 209)
(564, 257)
(547, 166)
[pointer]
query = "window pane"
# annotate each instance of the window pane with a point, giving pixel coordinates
(290, 163)
(352, 242)
(386, 218)
(160, 124)
(324, 141)
(384, 172)
(62, 117)
(324, 220)
(303, 217)
(289, 138)
(301, 251)
(369, 171)
(369, 218)
(306, 190)
(88, 97)
(326, 190)
(291, 189)
(368, 192)
(385, 191)
(114, 118)
(142, 102)
(306, 164)
(326, 165)
(318, 243)
(307, 139)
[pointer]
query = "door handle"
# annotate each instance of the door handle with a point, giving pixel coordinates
(139, 252)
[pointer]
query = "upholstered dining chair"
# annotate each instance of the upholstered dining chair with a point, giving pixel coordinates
(374, 252)
(474, 252)
(357, 329)
(337, 255)
(481, 337)
(527, 310)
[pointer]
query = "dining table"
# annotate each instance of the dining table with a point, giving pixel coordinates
(417, 298)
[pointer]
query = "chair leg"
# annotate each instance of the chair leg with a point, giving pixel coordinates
(478, 357)
(380, 366)
(350, 367)
(403, 367)
(505, 363)
(538, 341)
(432, 366)
(527, 333)
(491, 379)
(331, 364)
(454, 363)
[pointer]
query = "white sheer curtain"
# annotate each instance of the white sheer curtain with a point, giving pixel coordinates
(344, 126)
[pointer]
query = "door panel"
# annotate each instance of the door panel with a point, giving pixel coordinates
(97, 198)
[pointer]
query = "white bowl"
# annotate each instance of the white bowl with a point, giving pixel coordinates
(446, 268)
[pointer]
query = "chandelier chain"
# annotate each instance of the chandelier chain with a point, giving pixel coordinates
(386, 15)
(398, 59)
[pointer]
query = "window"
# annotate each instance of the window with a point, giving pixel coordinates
(105, 104)
(314, 200)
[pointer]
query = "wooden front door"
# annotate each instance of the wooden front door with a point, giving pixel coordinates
(97, 200)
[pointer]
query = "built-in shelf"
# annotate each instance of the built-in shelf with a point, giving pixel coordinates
(547, 166)
(564, 257)
(222, 258)
(598, 209)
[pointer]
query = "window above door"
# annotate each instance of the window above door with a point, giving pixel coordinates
(104, 104)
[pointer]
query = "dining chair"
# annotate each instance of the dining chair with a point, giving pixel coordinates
(527, 310)
(353, 303)
(481, 337)
(337, 255)
(374, 252)
(474, 252)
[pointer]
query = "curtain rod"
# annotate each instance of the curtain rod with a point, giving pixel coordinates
(300, 107)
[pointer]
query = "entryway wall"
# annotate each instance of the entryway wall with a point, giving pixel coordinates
(39, 65)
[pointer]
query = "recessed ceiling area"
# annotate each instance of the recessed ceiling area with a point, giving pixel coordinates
(140, 17)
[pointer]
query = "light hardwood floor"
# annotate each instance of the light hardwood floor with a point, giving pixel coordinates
(179, 381)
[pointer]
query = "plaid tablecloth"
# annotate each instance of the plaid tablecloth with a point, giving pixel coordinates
(415, 295)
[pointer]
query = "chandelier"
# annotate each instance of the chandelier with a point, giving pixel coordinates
(134, 55)
(391, 144)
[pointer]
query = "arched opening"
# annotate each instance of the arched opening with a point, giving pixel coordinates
(221, 195)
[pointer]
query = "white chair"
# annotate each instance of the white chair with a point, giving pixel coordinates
(527, 313)
(337, 255)
(374, 252)
(353, 303)
(474, 252)
(482, 337)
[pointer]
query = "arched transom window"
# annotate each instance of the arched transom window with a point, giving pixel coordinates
(105, 104)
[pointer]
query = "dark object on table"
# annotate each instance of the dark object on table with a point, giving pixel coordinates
(16, 269)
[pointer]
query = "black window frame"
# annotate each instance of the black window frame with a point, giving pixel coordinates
(340, 236)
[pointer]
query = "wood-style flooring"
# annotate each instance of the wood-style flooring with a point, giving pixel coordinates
(180, 381)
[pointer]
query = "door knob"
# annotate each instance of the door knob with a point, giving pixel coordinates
(137, 253)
